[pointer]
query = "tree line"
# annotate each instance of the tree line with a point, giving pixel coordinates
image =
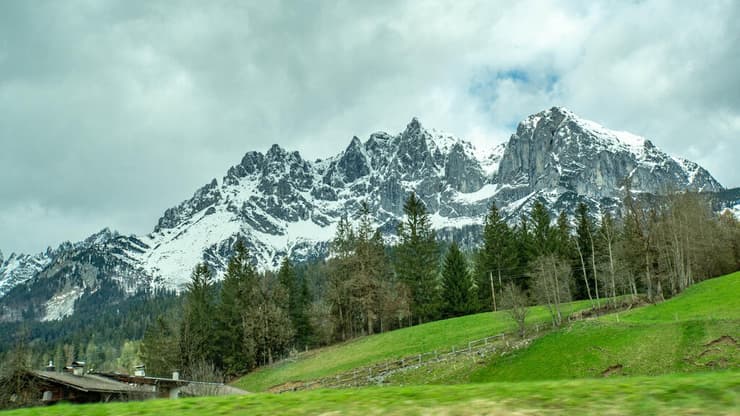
(656, 247)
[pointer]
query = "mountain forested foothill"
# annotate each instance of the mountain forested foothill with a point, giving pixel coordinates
(654, 249)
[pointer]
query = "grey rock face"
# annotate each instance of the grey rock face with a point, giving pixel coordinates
(555, 149)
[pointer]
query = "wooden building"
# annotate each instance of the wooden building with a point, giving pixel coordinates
(77, 386)
(82, 388)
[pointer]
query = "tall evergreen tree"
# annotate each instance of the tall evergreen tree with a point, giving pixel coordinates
(160, 348)
(563, 240)
(236, 353)
(297, 302)
(267, 321)
(497, 260)
(198, 329)
(370, 269)
(457, 285)
(543, 235)
(417, 262)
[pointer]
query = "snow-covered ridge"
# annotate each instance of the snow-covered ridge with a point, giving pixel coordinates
(280, 204)
(633, 143)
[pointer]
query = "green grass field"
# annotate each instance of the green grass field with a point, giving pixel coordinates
(390, 345)
(715, 393)
(696, 331)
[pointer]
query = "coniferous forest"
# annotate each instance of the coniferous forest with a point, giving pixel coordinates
(652, 250)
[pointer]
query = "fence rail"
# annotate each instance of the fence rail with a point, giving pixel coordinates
(374, 373)
(370, 374)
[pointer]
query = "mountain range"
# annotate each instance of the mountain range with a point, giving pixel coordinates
(280, 204)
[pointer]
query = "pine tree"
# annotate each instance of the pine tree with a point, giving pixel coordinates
(340, 268)
(267, 321)
(457, 285)
(160, 348)
(543, 235)
(563, 241)
(236, 352)
(297, 302)
(198, 329)
(370, 269)
(497, 260)
(417, 263)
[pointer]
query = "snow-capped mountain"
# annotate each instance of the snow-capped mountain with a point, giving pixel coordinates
(281, 204)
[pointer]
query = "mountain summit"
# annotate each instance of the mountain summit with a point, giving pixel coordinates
(281, 204)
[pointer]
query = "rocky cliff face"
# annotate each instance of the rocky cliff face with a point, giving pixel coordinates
(281, 204)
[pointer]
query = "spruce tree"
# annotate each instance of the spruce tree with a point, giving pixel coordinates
(371, 269)
(457, 285)
(236, 352)
(160, 349)
(417, 262)
(543, 235)
(297, 302)
(198, 329)
(497, 260)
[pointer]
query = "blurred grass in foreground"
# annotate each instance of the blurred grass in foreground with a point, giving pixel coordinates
(688, 394)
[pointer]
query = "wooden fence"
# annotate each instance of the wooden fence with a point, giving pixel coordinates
(371, 374)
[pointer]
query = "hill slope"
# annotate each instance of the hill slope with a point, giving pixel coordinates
(696, 331)
(439, 335)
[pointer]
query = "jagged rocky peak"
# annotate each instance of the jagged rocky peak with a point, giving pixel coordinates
(101, 237)
(354, 162)
(413, 156)
(555, 149)
(462, 171)
(252, 162)
(204, 197)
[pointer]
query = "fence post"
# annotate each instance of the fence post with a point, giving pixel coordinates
(419, 359)
(436, 356)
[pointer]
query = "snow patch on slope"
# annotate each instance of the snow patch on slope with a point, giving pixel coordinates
(486, 192)
(62, 304)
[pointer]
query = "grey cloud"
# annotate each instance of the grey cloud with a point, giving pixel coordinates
(114, 111)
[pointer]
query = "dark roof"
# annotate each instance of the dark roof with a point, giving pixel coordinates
(87, 382)
(126, 378)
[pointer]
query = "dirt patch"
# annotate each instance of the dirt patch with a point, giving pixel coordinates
(607, 307)
(709, 350)
(612, 370)
(721, 363)
(289, 386)
(724, 339)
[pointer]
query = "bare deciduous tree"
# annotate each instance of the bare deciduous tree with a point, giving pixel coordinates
(517, 301)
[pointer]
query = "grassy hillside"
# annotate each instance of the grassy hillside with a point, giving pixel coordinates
(395, 344)
(695, 331)
(706, 394)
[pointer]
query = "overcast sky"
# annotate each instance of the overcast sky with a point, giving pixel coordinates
(111, 112)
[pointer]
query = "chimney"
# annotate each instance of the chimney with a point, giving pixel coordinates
(78, 368)
(51, 367)
(140, 370)
(175, 375)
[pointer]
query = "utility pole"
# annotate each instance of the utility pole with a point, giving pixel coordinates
(493, 292)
